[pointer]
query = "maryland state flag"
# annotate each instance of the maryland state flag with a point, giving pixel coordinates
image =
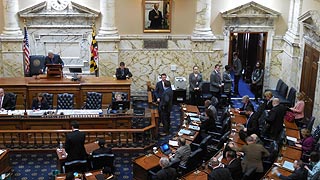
(94, 53)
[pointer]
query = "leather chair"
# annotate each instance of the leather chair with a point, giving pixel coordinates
(13, 98)
(203, 145)
(274, 151)
(75, 166)
(49, 98)
(194, 161)
(101, 160)
(65, 101)
(94, 100)
(124, 96)
(205, 91)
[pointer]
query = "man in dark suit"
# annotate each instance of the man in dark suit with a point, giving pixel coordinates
(246, 103)
(251, 126)
(122, 72)
(275, 119)
(6, 102)
(234, 165)
(195, 80)
(160, 87)
(155, 16)
(167, 172)
(218, 172)
(165, 107)
(52, 59)
(216, 82)
(75, 143)
(182, 153)
(102, 149)
(299, 172)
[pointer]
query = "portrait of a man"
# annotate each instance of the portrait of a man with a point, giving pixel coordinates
(157, 16)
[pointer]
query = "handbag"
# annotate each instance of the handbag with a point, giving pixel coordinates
(289, 116)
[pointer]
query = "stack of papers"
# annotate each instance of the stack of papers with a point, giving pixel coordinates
(195, 119)
(292, 139)
(2, 151)
(173, 143)
(288, 165)
(192, 114)
(196, 128)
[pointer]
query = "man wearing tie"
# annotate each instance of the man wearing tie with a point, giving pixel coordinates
(155, 16)
(216, 82)
(122, 72)
(5, 101)
(251, 126)
(52, 59)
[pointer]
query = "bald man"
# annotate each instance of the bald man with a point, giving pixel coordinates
(275, 119)
(52, 59)
(6, 102)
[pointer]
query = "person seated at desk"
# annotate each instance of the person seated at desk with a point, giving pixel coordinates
(218, 171)
(118, 97)
(299, 172)
(307, 142)
(52, 59)
(102, 149)
(5, 101)
(208, 124)
(246, 103)
(166, 172)
(122, 72)
(106, 174)
(182, 153)
(75, 143)
(40, 103)
(314, 166)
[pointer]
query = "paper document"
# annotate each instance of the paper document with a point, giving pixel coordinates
(185, 131)
(288, 165)
(192, 114)
(2, 151)
(292, 139)
(220, 158)
(195, 119)
(196, 128)
(173, 143)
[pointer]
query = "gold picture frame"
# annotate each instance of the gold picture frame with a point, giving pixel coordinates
(157, 16)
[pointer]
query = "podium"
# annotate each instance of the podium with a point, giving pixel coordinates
(54, 71)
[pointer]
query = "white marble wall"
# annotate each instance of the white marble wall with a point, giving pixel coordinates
(11, 60)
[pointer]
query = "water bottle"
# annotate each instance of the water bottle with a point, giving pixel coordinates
(60, 145)
(203, 165)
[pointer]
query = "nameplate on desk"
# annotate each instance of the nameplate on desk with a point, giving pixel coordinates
(196, 128)
(195, 119)
(173, 143)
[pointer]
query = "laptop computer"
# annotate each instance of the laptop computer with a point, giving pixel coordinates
(165, 149)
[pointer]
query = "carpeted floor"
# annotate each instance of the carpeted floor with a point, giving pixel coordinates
(27, 166)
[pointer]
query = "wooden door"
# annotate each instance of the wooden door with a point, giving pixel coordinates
(309, 77)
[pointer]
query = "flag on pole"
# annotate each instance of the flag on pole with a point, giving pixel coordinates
(94, 53)
(26, 51)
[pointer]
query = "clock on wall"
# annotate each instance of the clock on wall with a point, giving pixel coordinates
(59, 5)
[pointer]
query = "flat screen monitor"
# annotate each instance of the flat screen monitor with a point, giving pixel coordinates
(120, 105)
(75, 70)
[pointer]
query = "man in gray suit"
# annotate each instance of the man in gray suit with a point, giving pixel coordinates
(182, 153)
(216, 82)
(237, 68)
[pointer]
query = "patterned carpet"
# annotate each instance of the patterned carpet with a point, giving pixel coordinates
(27, 166)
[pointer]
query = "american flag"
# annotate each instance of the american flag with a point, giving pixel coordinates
(26, 51)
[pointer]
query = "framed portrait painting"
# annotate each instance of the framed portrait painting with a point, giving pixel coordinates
(157, 16)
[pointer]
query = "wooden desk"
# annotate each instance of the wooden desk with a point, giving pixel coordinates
(270, 176)
(31, 86)
(143, 164)
(196, 175)
(5, 161)
(236, 138)
(293, 133)
(291, 153)
(290, 125)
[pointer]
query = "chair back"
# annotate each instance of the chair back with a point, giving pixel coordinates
(94, 100)
(65, 101)
(292, 96)
(194, 161)
(75, 166)
(49, 98)
(283, 90)
(205, 90)
(204, 142)
(279, 84)
(13, 99)
(223, 139)
(226, 125)
(101, 160)
(316, 134)
(310, 124)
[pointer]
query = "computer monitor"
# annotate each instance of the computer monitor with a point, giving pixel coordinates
(75, 70)
(120, 105)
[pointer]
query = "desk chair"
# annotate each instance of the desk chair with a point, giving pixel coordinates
(75, 166)
(94, 100)
(101, 160)
(194, 161)
(13, 98)
(65, 101)
(205, 91)
(49, 98)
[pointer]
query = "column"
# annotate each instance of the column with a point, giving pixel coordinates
(292, 35)
(203, 19)
(108, 27)
(11, 21)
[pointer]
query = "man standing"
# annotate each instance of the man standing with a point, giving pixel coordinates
(75, 143)
(52, 59)
(122, 72)
(216, 82)
(165, 107)
(275, 119)
(155, 16)
(160, 87)
(237, 67)
(6, 102)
